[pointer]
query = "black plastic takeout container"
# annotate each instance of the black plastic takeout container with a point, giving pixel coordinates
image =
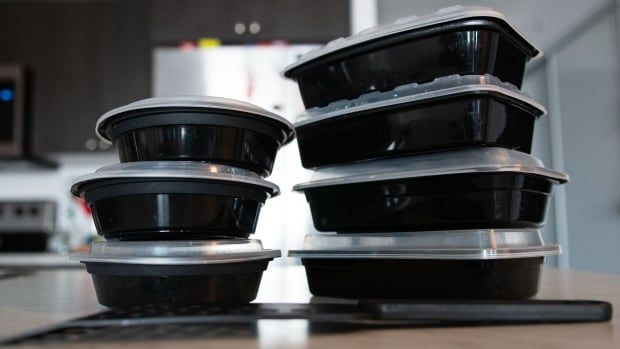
(197, 128)
(473, 188)
(449, 113)
(462, 264)
(134, 273)
(455, 40)
(153, 200)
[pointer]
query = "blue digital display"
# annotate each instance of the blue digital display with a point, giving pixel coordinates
(6, 95)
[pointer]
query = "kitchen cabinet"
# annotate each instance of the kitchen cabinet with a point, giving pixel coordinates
(88, 56)
(85, 58)
(175, 21)
(237, 21)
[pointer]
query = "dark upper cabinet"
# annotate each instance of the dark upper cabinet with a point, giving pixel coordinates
(296, 21)
(174, 21)
(89, 56)
(84, 57)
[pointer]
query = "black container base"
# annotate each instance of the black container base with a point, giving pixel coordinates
(125, 285)
(218, 144)
(423, 279)
(460, 201)
(175, 235)
(174, 209)
(471, 120)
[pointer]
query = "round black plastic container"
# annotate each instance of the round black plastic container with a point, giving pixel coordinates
(174, 209)
(430, 279)
(180, 201)
(473, 115)
(198, 129)
(127, 285)
(190, 272)
(470, 42)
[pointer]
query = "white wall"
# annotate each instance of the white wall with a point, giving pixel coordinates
(589, 85)
(585, 87)
(543, 21)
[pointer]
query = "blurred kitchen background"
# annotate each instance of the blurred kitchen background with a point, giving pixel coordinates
(64, 62)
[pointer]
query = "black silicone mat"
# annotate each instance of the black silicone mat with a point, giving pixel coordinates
(149, 323)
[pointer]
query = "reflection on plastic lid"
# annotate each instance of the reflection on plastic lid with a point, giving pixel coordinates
(476, 160)
(175, 170)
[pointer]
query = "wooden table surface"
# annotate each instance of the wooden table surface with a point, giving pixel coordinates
(47, 297)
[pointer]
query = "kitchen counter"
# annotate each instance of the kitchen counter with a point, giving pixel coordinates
(46, 297)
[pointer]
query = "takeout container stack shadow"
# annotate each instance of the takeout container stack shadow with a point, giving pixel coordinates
(178, 209)
(420, 138)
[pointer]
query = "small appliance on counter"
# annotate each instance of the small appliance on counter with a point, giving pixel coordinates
(14, 142)
(15, 123)
(26, 226)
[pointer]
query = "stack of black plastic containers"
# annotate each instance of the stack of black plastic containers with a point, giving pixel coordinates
(420, 138)
(177, 211)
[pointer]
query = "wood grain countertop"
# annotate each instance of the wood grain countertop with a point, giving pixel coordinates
(46, 297)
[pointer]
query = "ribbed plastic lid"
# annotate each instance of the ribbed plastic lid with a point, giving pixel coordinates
(406, 24)
(177, 252)
(475, 160)
(410, 93)
(204, 102)
(174, 170)
(454, 244)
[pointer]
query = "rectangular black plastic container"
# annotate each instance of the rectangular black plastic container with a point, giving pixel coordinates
(128, 285)
(472, 188)
(470, 42)
(423, 279)
(471, 118)
(460, 201)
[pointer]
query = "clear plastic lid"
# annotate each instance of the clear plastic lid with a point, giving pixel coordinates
(206, 102)
(475, 160)
(174, 170)
(177, 252)
(410, 93)
(410, 23)
(454, 244)
(474, 238)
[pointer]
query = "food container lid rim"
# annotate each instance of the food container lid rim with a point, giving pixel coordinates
(150, 170)
(440, 87)
(193, 101)
(176, 252)
(474, 160)
(433, 254)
